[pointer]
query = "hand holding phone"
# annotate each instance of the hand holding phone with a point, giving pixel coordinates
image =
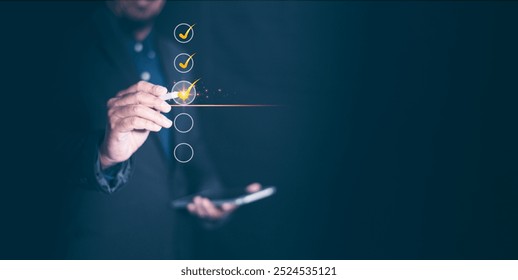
(233, 196)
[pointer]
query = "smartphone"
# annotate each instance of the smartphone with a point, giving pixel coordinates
(221, 196)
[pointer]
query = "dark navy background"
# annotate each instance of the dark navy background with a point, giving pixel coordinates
(396, 139)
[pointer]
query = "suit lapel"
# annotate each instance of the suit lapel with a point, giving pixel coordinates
(167, 52)
(112, 42)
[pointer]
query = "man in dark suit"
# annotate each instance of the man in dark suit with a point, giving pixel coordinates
(116, 146)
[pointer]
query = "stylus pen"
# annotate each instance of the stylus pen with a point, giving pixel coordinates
(169, 95)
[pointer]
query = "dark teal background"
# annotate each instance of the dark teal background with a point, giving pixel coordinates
(396, 139)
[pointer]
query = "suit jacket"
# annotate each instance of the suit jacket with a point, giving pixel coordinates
(137, 221)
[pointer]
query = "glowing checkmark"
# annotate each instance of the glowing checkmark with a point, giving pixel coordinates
(184, 36)
(184, 94)
(185, 64)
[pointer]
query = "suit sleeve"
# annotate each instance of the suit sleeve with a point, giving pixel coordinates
(112, 179)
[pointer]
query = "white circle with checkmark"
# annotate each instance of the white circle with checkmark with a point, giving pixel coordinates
(183, 33)
(183, 62)
(184, 92)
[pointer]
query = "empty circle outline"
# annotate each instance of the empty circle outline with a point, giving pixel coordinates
(183, 161)
(183, 131)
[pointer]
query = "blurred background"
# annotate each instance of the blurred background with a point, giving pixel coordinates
(396, 138)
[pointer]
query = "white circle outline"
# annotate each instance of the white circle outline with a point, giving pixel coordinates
(183, 161)
(186, 71)
(193, 89)
(183, 131)
(175, 36)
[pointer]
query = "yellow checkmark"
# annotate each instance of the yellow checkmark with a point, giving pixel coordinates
(185, 64)
(184, 36)
(184, 94)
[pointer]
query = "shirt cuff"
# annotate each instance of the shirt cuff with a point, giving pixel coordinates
(113, 178)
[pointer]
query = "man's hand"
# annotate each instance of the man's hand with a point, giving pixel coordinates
(132, 114)
(204, 208)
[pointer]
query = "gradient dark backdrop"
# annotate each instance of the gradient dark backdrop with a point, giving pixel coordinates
(397, 138)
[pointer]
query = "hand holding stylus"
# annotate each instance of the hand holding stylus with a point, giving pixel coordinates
(132, 114)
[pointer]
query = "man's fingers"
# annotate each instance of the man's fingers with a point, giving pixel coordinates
(191, 208)
(132, 123)
(228, 207)
(140, 97)
(141, 111)
(156, 90)
(254, 187)
(213, 212)
(204, 208)
(200, 209)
